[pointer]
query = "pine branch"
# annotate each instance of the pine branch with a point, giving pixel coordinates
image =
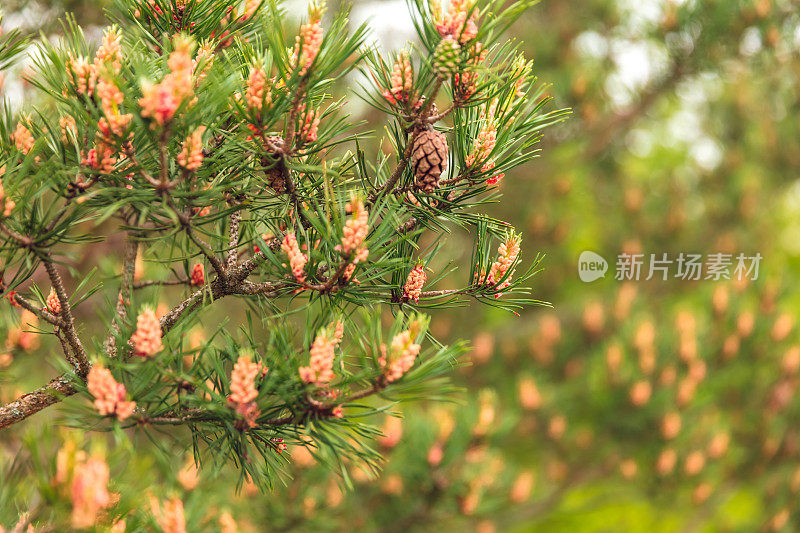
(22, 240)
(38, 311)
(217, 289)
(65, 348)
(163, 161)
(198, 416)
(205, 249)
(34, 401)
(66, 315)
(419, 126)
(124, 293)
(332, 281)
(60, 387)
(313, 407)
(233, 237)
(433, 119)
(447, 292)
(131, 155)
(291, 189)
(319, 173)
(160, 282)
(293, 114)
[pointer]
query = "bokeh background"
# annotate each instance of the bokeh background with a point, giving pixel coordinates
(627, 406)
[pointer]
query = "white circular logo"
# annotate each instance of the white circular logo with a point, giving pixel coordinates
(591, 266)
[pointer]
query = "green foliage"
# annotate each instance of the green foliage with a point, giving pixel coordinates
(218, 147)
(692, 148)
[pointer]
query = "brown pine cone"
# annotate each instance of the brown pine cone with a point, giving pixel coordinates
(272, 166)
(430, 159)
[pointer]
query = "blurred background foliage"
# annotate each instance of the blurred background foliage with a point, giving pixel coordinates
(629, 406)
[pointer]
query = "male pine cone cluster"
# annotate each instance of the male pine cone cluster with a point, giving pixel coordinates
(430, 160)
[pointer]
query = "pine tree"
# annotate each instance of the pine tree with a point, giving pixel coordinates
(206, 137)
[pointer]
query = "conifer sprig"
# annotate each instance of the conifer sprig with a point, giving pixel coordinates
(210, 138)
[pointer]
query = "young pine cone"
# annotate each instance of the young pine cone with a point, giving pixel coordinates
(430, 160)
(445, 57)
(272, 167)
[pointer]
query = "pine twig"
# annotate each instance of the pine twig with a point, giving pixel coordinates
(63, 386)
(131, 155)
(293, 112)
(406, 156)
(33, 402)
(22, 240)
(66, 314)
(124, 293)
(44, 314)
(435, 294)
(331, 281)
(160, 282)
(233, 237)
(205, 249)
